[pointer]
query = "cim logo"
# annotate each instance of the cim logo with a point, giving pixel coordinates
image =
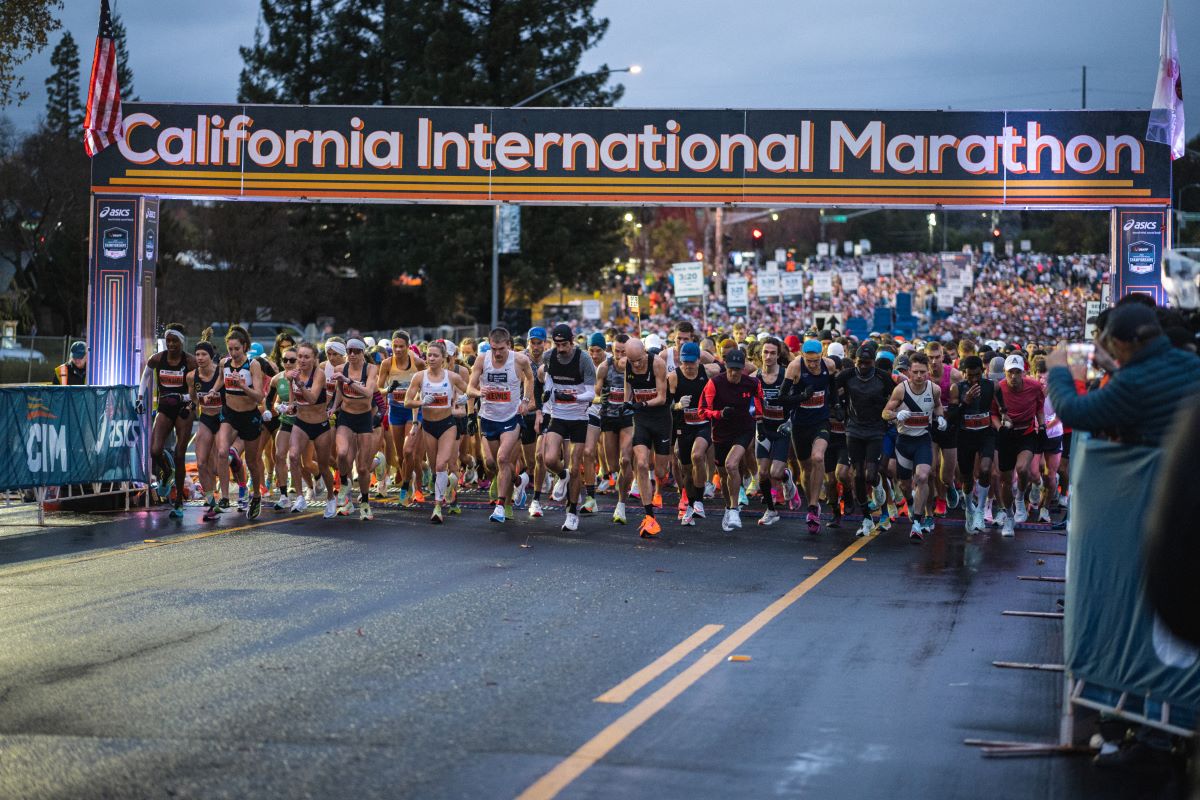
(109, 212)
(1134, 225)
(46, 443)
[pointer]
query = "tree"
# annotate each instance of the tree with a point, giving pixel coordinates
(64, 110)
(282, 65)
(25, 27)
(124, 73)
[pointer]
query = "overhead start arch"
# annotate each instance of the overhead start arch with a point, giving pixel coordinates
(922, 159)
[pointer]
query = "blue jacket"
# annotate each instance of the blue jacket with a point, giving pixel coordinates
(1139, 402)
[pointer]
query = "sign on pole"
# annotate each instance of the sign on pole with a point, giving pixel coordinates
(1091, 310)
(781, 256)
(849, 280)
(848, 247)
(591, 309)
(510, 229)
(886, 266)
(1026, 245)
(945, 299)
(737, 291)
(822, 248)
(689, 279)
(768, 284)
(791, 284)
(865, 244)
(822, 282)
(827, 321)
(870, 271)
(988, 247)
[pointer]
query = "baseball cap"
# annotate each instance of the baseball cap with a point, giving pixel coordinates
(537, 332)
(836, 350)
(78, 349)
(689, 352)
(256, 350)
(826, 336)
(562, 333)
(792, 342)
(888, 355)
(735, 358)
(812, 346)
(902, 363)
(597, 340)
(996, 367)
(654, 342)
(486, 347)
(1014, 362)
(1132, 322)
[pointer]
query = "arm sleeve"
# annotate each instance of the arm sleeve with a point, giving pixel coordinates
(588, 390)
(1102, 409)
(759, 401)
(707, 397)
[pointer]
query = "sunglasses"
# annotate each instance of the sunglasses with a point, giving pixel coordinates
(289, 361)
(353, 350)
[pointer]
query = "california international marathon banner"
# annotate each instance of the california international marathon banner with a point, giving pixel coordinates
(993, 159)
(1113, 638)
(61, 435)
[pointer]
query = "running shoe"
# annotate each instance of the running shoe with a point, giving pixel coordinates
(364, 511)
(407, 500)
(752, 489)
(242, 492)
(885, 523)
(1021, 513)
(635, 492)
(916, 534)
(725, 526)
(1006, 529)
(903, 506)
(893, 513)
(813, 520)
(493, 488)
(436, 517)
(519, 497)
(571, 523)
(657, 501)
(866, 528)
(454, 508)
(880, 494)
(452, 491)
(300, 505)
(769, 517)
(589, 506)
(211, 512)
(987, 512)
(508, 511)
(698, 508)
(649, 527)
(710, 490)
(619, 514)
(689, 516)
(283, 503)
(344, 506)
(497, 514)
(953, 496)
(331, 507)
(977, 519)
(743, 500)
(927, 525)
(418, 496)
(254, 508)
(999, 518)
(1044, 516)
(735, 518)
(560, 489)
(535, 509)
(176, 513)
(939, 508)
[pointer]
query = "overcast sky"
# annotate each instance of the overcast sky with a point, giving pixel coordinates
(962, 54)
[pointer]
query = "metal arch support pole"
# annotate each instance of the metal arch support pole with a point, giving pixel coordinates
(496, 266)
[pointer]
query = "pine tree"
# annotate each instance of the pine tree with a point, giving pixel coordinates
(64, 110)
(282, 66)
(124, 73)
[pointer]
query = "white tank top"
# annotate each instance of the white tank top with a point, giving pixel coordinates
(1054, 426)
(436, 394)
(670, 360)
(501, 388)
(921, 406)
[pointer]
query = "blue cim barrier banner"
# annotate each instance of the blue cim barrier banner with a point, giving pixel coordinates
(60, 435)
(1112, 636)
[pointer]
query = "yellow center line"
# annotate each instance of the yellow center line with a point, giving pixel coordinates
(574, 765)
(630, 686)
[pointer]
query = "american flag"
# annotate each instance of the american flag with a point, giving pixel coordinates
(102, 123)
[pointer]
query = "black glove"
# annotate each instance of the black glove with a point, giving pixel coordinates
(186, 411)
(393, 386)
(638, 405)
(565, 397)
(727, 412)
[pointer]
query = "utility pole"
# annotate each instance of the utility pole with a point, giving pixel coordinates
(1084, 86)
(718, 250)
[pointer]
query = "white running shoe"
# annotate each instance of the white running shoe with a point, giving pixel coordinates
(283, 503)
(698, 507)
(769, 517)
(735, 518)
(710, 491)
(1021, 514)
(725, 526)
(689, 516)
(999, 518)
(977, 519)
(987, 512)
(560, 489)
(1007, 529)
(331, 507)
(300, 505)
(497, 514)
(535, 509)
(866, 527)
(619, 514)
(571, 523)
(1044, 516)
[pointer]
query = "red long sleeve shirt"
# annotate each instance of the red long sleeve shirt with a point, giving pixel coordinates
(719, 394)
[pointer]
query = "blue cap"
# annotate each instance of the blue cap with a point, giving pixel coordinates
(597, 340)
(811, 346)
(888, 354)
(537, 333)
(485, 347)
(256, 350)
(690, 351)
(78, 350)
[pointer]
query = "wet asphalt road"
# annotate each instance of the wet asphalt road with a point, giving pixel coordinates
(395, 659)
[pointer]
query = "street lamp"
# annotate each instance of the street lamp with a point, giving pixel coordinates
(932, 220)
(632, 69)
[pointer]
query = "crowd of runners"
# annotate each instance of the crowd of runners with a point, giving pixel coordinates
(897, 432)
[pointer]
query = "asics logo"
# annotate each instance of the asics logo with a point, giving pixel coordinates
(1134, 225)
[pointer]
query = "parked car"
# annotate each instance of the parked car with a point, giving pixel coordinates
(10, 351)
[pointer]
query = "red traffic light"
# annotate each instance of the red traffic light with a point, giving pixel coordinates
(996, 233)
(756, 233)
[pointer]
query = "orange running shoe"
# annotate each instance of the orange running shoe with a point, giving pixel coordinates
(418, 496)
(649, 527)
(657, 499)
(903, 506)
(716, 481)
(939, 508)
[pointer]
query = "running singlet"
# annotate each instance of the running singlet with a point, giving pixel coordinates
(436, 395)
(815, 409)
(976, 415)
(614, 391)
(230, 372)
(170, 379)
(944, 383)
(321, 398)
(670, 359)
(500, 388)
(644, 388)
(402, 377)
(353, 392)
(568, 399)
(283, 390)
(773, 413)
(691, 388)
(921, 406)
(211, 405)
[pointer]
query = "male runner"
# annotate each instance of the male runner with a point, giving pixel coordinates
(1019, 412)
(971, 403)
(503, 379)
(646, 393)
(916, 404)
(570, 379)
(864, 391)
(806, 392)
(726, 402)
(616, 421)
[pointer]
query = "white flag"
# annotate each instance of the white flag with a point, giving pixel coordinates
(1166, 117)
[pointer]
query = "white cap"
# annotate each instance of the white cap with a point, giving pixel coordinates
(1014, 362)
(654, 341)
(836, 350)
(450, 348)
(907, 347)
(369, 340)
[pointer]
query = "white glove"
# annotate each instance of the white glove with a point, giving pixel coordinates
(941, 423)
(902, 415)
(280, 408)
(685, 401)
(266, 416)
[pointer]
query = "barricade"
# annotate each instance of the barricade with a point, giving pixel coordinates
(66, 436)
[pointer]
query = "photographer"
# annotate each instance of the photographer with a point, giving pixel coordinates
(1140, 400)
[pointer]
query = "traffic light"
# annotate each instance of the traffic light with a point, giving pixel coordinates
(995, 233)
(757, 235)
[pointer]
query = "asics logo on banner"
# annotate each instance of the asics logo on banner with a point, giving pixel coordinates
(115, 213)
(1134, 225)
(117, 433)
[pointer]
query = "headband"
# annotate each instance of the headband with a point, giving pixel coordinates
(336, 347)
(172, 332)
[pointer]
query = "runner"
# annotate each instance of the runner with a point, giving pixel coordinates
(593, 458)
(773, 443)
(646, 395)
(916, 404)
(532, 425)
(241, 419)
(310, 403)
(279, 406)
(205, 391)
(616, 421)
(355, 427)
(1051, 454)
(863, 391)
(439, 393)
(395, 374)
(693, 432)
(1019, 411)
(971, 404)
(806, 393)
(169, 369)
(945, 443)
(726, 402)
(502, 378)
(570, 379)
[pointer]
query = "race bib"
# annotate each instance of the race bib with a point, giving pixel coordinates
(774, 412)
(170, 380)
(437, 400)
(837, 426)
(644, 395)
(917, 421)
(816, 400)
(494, 395)
(233, 381)
(692, 416)
(398, 396)
(210, 401)
(564, 395)
(976, 422)
(617, 395)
